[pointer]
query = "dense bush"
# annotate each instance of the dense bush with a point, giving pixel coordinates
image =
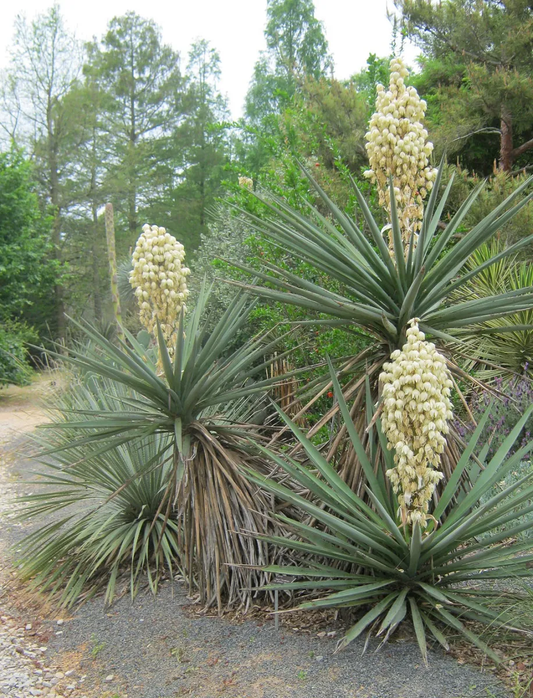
(14, 367)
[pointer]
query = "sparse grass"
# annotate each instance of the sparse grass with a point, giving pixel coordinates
(97, 646)
(180, 653)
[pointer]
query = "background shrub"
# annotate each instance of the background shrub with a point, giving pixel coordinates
(14, 367)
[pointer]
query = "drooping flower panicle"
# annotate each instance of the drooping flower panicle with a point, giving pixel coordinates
(416, 409)
(398, 147)
(159, 279)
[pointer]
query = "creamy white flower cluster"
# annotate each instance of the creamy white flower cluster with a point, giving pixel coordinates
(246, 183)
(398, 146)
(416, 409)
(159, 279)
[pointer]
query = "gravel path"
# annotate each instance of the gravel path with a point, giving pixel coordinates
(164, 648)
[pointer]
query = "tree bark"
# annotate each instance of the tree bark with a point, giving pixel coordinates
(110, 236)
(517, 152)
(97, 296)
(506, 140)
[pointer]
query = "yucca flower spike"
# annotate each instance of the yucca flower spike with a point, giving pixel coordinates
(160, 280)
(416, 409)
(398, 148)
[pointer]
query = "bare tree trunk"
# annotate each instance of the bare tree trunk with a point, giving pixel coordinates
(97, 296)
(506, 140)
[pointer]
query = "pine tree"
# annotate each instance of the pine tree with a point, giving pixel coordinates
(141, 80)
(481, 55)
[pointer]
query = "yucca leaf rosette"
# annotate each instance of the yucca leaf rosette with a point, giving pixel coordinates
(207, 402)
(462, 568)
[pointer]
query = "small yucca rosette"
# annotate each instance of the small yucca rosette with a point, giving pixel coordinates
(159, 279)
(416, 410)
(398, 147)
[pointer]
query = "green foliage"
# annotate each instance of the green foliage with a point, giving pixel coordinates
(14, 368)
(27, 271)
(377, 72)
(375, 293)
(481, 59)
(107, 508)
(201, 154)
(366, 560)
(515, 396)
(140, 103)
(524, 472)
(296, 38)
(456, 127)
(296, 50)
(45, 66)
(24, 237)
(327, 123)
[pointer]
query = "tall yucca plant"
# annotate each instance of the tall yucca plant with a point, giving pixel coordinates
(192, 401)
(364, 558)
(380, 293)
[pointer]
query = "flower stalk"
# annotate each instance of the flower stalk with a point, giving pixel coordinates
(112, 256)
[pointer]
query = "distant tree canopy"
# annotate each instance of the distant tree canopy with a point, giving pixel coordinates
(26, 266)
(296, 50)
(118, 120)
(478, 72)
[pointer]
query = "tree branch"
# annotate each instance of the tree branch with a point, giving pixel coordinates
(521, 149)
(488, 129)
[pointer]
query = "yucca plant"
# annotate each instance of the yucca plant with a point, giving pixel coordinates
(102, 510)
(500, 345)
(380, 292)
(362, 555)
(191, 401)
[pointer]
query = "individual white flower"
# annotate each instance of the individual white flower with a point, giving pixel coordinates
(157, 271)
(397, 147)
(416, 409)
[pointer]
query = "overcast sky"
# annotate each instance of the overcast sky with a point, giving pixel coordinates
(353, 28)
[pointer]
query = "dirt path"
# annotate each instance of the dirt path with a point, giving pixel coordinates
(164, 648)
(21, 409)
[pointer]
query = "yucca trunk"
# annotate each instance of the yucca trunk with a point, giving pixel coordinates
(222, 517)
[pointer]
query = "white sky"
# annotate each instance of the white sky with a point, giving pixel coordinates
(353, 28)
